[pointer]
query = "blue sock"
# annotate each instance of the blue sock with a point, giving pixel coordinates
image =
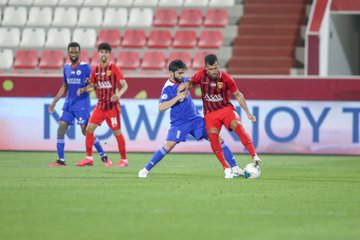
(60, 145)
(228, 155)
(98, 147)
(160, 154)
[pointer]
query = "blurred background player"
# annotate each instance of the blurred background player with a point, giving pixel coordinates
(185, 120)
(76, 74)
(218, 109)
(109, 84)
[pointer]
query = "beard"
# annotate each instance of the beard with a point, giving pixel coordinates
(74, 59)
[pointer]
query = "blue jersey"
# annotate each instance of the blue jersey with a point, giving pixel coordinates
(75, 79)
(183, 111)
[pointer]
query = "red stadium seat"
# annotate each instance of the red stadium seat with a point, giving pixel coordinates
(95, 58)
(165, 18)
(216, 18)
(185, 39)
(199, 60)
(191, 18)
(153, 61)
(26, 59)
(159, 39)
(128, 60)
(52, 59)
(111, 36)
(134, 38)
(210, 39)
(182, 55)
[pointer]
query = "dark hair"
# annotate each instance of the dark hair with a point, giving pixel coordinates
(104, 46)
(176, 65)
(73, 44)
(211, 59)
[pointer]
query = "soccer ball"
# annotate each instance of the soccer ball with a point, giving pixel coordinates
(252, 170)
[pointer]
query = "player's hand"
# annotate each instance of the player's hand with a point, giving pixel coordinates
(80, 91)
(181, 88)
(51, 108)
(251, 117)
(182, 95)
(114, 98)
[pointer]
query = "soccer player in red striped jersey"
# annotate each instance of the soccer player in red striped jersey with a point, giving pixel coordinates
(109, 84)
(215, 85)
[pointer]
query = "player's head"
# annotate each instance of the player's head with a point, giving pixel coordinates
(104, 50)
(74, 52)
(177, 69)
(212, 65)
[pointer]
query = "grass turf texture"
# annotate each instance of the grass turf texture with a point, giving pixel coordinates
(184, 197)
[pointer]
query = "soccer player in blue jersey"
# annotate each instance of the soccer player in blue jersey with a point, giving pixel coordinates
(75, 76)
(185, 120)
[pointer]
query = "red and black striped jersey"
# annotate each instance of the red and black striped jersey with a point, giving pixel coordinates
(215, 92)
(106, 81)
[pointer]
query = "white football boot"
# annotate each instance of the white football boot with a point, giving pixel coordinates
(237, 172)
(143, 173)
(228, 173)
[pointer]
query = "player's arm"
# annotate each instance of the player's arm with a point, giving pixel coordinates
(241, 100)
(120, 91)
(168, 104)
(90, 87)
(62, 91)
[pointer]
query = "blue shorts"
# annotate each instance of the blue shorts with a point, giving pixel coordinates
(82, 117)
(196, 128)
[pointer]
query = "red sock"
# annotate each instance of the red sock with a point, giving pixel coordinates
(89, 142)
(245, 139)
(216, 148)
(121, 145)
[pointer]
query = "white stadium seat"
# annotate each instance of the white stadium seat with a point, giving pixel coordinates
(147, 3)
(7, 58)
(33, 37)
(90, 17)
(40, 16)
(222, 3)
(65, 16)
(86, 37)
(20, 2)
(95, 3)
(3, 2)
(58, 38)
(117, 3)
(9, 37)
(45, 2)
(140, 17)
(196, 3)
(171, 3)
(70, 2)
(115, 17)
(14, 16)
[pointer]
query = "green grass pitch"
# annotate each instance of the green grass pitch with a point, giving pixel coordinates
(184, 197)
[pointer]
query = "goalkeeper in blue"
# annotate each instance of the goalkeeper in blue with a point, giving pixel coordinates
(185, 120)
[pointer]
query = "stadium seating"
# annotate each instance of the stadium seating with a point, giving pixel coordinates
(95, 3)
(58, 38)
(70, 2)
(170, 3)
(140, 17)
(210, 39)
(182, 55)
(40, 16)
(153, 61)
(134, 38)
(51, 59)
(45, 2)
(118, 3)
(115, 17)
(128, 60)
(33, 38)
(86, 37)
(111, 36)
(14, 16)
(222, 3)
(65, 16)
(6, 56)
(89, 17)
(191, 17)
(9, 37)
(198, 61)
(184, 39)
(159, 39)
(20, 2)
(216, 18)
(165, 18)
(84, 56)
(196, 3)
(147, 3)
(27, 59)
(95, 58)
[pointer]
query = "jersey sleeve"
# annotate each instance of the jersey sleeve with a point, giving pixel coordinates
(118, 73)
(64, 75)
(166, 95)
(88, 71)
(92, 76)
(196, 78)
(230, 83)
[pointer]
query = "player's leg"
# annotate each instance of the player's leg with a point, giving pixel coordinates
(156, 158)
